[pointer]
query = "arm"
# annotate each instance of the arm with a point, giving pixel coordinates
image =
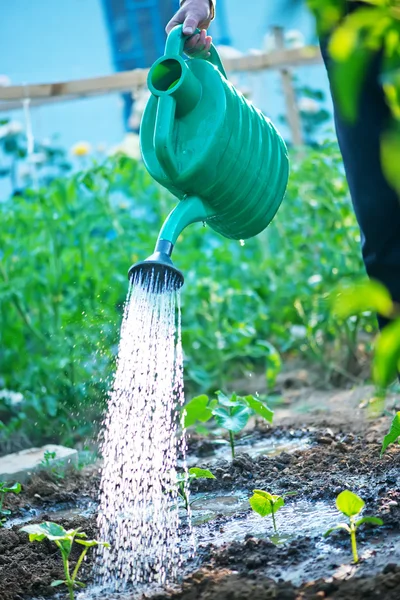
(195, 14)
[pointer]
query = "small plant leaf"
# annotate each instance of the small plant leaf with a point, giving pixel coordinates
(265, 503)
(14, 489)
(201, 473)
(349, 503)
(195, 410)
(338, 526)
(5, 511)
(393, 435)
(234, 419)
(49, 530)
(224, 400)
(91, 543)
(57, 582)
(259, 408)
(372, 520)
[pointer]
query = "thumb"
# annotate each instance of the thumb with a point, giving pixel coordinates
(189, 25)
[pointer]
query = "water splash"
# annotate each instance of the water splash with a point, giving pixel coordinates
(138, 512)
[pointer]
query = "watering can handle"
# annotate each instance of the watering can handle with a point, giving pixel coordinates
(176, 43)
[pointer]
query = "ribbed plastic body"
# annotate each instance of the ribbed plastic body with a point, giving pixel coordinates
(226, 152)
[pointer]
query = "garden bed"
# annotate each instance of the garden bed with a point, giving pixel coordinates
(326, 450)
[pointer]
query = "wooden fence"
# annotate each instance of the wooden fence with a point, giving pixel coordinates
(282, 59)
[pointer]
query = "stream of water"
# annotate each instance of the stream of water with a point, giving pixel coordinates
(138, 511)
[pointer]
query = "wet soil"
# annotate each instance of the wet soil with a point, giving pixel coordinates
(316, 449)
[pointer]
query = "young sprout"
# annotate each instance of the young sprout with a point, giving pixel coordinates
(230, 412)
(351, 505)
(64, 541)
(184, 480)
(265, 503)
(14, 489)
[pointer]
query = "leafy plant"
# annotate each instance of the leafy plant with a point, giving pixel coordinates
(64, 541)
(184, 480)
(351, 505)
(240, 309)
(58, 471)
(394, 434)
(4, 489)
(264, 503)
(358, 297)
(230, 412)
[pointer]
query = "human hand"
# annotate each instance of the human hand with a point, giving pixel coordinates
(194, 14)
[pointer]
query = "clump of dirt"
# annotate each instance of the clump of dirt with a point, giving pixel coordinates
(46, 489)
(304, 567)
(27, 569)
(225, 585)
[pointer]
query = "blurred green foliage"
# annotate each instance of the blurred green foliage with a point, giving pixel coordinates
(355, 38)
(64, 255)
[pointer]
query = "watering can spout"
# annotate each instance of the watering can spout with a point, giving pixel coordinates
(158, 272)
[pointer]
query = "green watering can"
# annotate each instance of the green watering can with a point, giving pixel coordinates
(202, 140)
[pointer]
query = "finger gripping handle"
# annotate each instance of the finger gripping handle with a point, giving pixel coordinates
(176, 43)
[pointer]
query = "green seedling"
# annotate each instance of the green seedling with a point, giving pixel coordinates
(64, 540)
(351, 505)
(58, 471)
(230, 412)
(184, 480)
(265, 504)
(4, 489)
(394, 434)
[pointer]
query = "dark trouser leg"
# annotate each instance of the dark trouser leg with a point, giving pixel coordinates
(376, 204)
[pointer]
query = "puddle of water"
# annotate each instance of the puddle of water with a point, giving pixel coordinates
(59, 511)
(206, 507)
(296, 519)
(262, 447)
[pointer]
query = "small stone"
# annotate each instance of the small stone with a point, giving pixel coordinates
(393, 503)
(324, 440)
(227, 477)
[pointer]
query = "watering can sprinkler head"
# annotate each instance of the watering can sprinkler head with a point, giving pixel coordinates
(157, 273)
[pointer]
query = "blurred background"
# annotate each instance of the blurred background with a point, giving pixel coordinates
(77, 208)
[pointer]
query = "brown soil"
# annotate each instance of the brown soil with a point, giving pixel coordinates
(343, 454)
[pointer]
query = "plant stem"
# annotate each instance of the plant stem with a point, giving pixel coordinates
(78, 564)
(273, 519)
(354, 543)
(232, 442)
(2, 494)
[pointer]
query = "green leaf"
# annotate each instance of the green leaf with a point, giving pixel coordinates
(265, 503)
(393, 435)
(390, 142)
(372, 520)
(201, 473)
(234, 419)
(338, 526)
(5, 511)
(349, 503)
(387, 355)
(91, 543)
(57, 582)
(196, 410)
(259, 408)
(225, 400)
(15, 489)
(362, 297)
(49, 530)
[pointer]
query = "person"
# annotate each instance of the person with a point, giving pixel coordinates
(376, 204)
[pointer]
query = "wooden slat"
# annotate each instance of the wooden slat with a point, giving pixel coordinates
(48, 93)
